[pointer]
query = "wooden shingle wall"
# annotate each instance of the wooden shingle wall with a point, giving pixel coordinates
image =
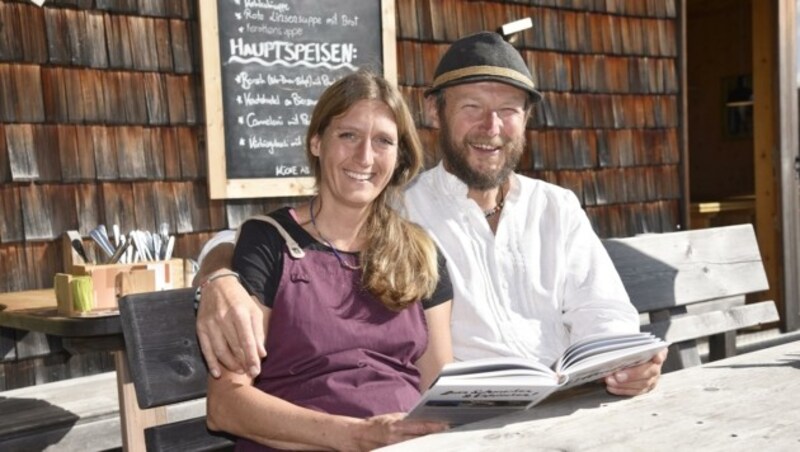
(101, 122)
(608, 69)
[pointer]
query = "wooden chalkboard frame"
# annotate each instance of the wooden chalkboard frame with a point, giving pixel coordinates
(220, 186)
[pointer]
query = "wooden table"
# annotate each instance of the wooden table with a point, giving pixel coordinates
(35, 310)
(749, 402)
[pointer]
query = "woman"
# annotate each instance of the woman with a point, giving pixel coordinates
(359, 323)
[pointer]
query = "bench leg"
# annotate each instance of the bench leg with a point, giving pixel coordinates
(681, 355)
(722, 345)
(133, 420)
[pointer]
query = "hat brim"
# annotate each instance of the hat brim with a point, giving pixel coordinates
(535, 95)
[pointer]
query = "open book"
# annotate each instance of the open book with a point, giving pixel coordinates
(474, 390)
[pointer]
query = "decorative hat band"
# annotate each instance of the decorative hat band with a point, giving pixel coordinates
(472, 71)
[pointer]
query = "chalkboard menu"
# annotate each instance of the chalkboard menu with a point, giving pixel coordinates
(265, 64)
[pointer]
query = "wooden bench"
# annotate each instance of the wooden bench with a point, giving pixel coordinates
(167, 367)
(76, 414)
(693, 284)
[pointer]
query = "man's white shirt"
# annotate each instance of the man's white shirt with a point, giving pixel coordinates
(542, 281)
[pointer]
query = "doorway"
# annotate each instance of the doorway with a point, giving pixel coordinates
(741, 134)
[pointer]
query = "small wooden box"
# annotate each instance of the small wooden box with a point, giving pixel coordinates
(113, 281)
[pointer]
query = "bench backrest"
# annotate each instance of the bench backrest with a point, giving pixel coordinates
(166, 364)
(693, 284)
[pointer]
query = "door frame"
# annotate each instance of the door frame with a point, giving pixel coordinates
(789, 155)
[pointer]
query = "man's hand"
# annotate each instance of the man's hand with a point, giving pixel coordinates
(637, 380)
(230, 327)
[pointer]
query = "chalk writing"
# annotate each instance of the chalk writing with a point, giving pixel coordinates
(269, 121)
(266, 4)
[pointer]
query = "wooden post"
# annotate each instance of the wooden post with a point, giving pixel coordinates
(133, 420)
(765, 145)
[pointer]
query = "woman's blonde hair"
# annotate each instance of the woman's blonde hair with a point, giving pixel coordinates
(399, 259)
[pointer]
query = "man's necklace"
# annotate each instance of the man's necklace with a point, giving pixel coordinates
(342, 261)
(496, 209)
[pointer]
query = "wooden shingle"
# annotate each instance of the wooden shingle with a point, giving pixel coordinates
(45, 147)
(200, 210)
(68, 153)
(118, 205)
(132, 97)
(152, 7)
(32, 34)
(145, 198)
(164, 205)
(76, 32)
(28, 101)
(143, 48)
(153, 152)
(88, 206)
(113, 95)
(216, 209)
(63, 207)
(96, 53)
(181, 45)
(54, 95)
(6, 94)
(10, 48)
(15, 272)
(56, 26)
(176, 103)
(90, 96)
(156, 99)
(105, 155)
(118, 6)
(118, 42)
(163, 45)
(85, 153)
(21, 154)
(190, 152)
(37, 213)
(184, 203)
(184, 9)
(130, 153)
(5, 170)
(11, 229)
(172, 153)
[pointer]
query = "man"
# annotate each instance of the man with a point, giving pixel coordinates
(530, 276)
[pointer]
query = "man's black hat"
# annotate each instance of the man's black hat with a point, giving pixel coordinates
(483, 57)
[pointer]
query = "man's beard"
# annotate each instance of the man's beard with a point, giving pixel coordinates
(456, 160)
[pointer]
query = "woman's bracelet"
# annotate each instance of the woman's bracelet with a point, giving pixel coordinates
(208, 280)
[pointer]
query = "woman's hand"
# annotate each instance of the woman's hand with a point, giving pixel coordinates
(379, 431)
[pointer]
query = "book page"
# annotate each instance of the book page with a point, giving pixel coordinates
(600, 343)
(477, 366)
(593, 366)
